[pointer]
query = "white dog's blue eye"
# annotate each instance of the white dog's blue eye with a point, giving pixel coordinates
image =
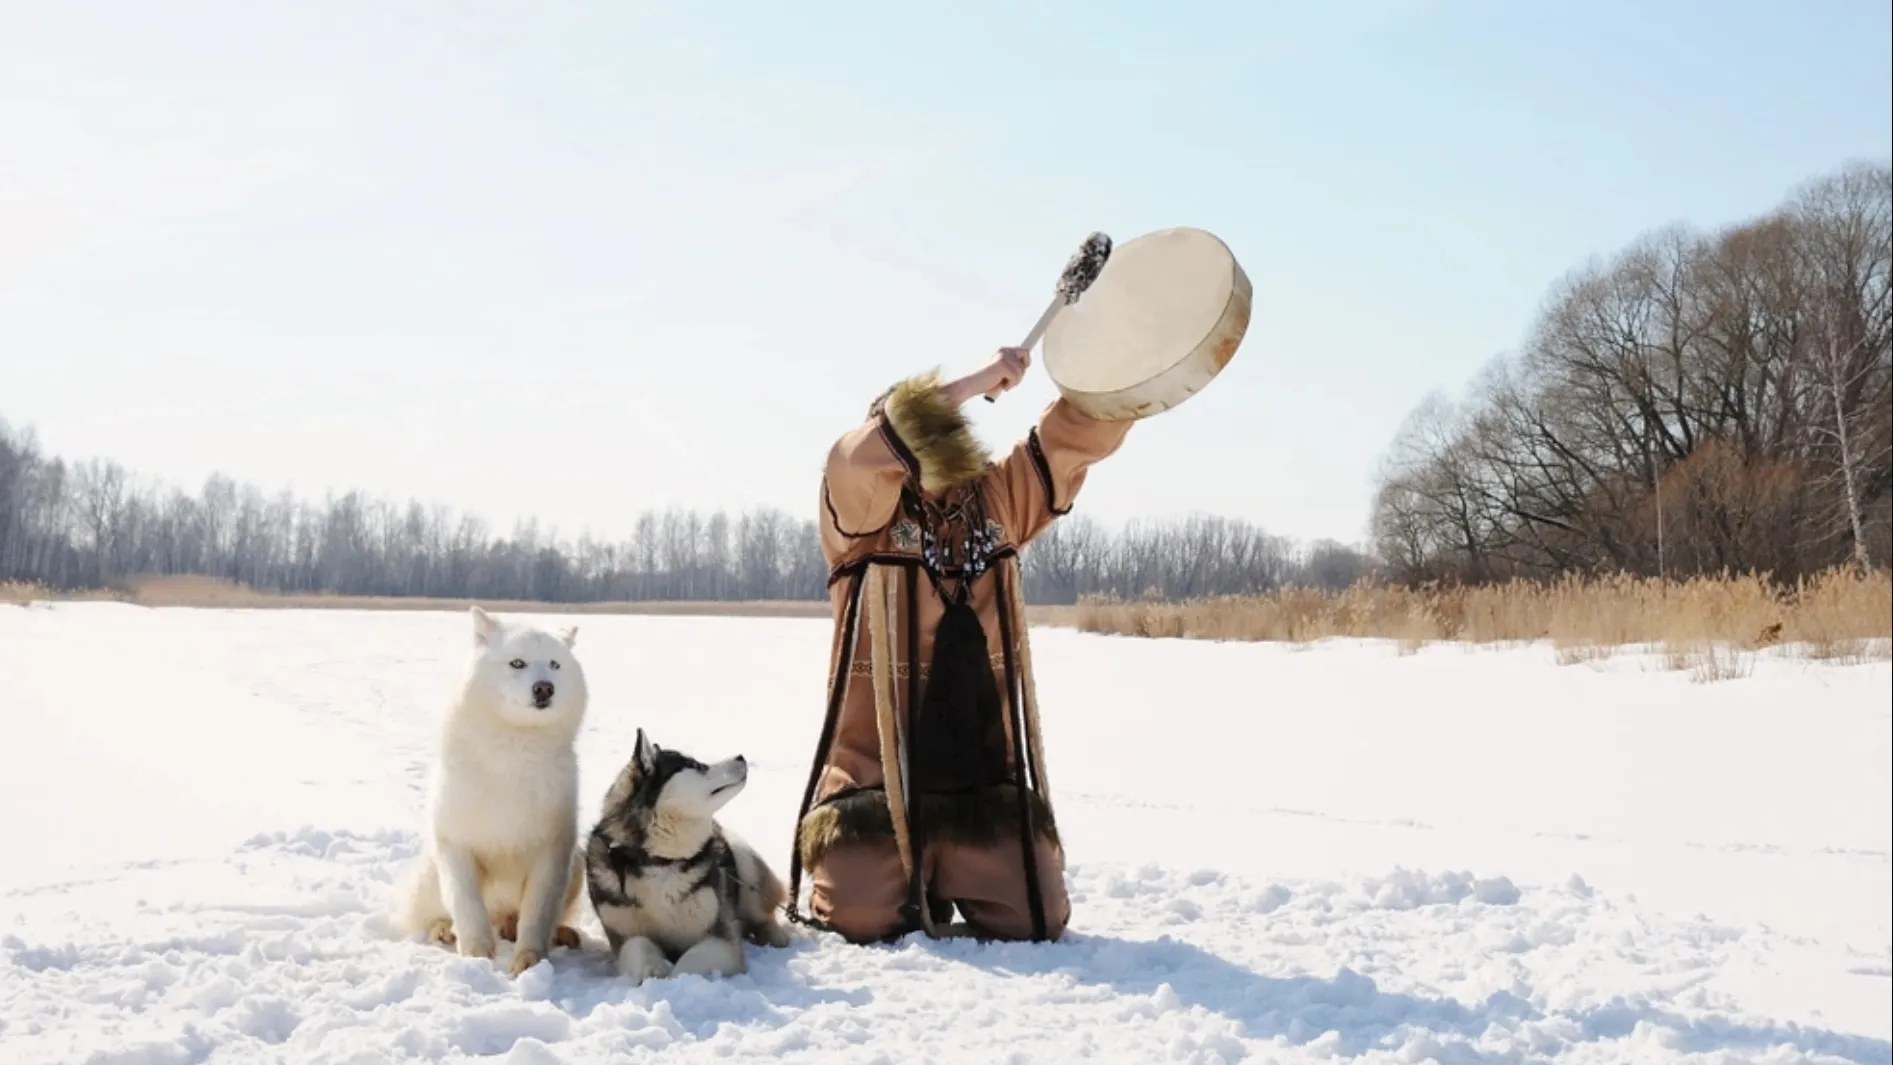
(555, 663)
(517, 663)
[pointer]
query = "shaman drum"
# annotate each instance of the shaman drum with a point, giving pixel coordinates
(1160, 322)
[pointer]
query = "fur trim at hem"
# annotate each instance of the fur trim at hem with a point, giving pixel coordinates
(978, 818)
(937, 432)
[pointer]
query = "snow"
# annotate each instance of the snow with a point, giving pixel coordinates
(1333, 853)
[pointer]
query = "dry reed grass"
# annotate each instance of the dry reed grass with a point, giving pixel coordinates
(1709, 625)
(20, 593)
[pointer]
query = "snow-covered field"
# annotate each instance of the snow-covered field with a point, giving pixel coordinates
(1279, 855)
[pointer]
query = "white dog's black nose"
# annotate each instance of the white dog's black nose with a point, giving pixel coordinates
(542, 692)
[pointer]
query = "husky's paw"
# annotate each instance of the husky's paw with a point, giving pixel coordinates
(481, 946)
(523, 959)
(567, 937)
(769, 935)
(713, 957)
(641, 960)
(508, 927)
(441, 931)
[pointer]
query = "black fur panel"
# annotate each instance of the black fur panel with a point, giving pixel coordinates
(959, 738)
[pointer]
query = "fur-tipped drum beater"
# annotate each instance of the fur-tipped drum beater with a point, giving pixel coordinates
(1080, 271)
(1156, 325)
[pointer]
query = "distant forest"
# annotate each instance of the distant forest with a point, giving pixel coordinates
(71, 525)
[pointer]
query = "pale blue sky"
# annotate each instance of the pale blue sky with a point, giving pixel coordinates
(577, 260)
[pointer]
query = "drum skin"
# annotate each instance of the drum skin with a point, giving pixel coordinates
(1161, 321)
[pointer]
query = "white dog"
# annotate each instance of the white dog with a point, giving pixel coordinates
(501, 855)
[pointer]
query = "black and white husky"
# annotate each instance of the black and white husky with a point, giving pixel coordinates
(674, 891)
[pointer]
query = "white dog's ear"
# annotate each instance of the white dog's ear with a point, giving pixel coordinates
(646, 754)
(569, 635)
(483, 626)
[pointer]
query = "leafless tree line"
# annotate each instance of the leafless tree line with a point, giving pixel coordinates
(1703, 402)
(1197, 558)
(87, 525)
(91, 524)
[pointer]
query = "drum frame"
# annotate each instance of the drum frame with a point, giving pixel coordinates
(1187, 376)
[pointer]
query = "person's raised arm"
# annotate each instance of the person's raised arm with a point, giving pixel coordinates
(914, 430)
(1042, 475)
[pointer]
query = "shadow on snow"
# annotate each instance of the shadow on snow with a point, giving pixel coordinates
(1302, 1009)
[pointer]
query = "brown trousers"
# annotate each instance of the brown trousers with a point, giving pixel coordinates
(858, 888)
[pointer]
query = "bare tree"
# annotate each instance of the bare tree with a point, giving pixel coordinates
(100, 488)
(1846, 252)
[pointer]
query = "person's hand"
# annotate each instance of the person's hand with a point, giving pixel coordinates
(1008, 369)
(1001, 375)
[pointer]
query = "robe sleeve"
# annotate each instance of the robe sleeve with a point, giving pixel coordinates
(1041, 477)
(861, 484)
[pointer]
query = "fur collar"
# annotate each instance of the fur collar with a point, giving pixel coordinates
(937, 432)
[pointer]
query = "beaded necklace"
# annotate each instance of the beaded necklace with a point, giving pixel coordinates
(956, 540)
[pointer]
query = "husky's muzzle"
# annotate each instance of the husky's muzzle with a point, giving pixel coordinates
(738, 775)
(541, 694)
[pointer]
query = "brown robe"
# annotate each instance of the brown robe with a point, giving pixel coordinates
(916, 445)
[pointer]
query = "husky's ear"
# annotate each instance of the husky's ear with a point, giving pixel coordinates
(483, 626)
(646, 755)
(569, 635)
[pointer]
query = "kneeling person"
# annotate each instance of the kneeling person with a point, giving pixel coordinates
(927, 793)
